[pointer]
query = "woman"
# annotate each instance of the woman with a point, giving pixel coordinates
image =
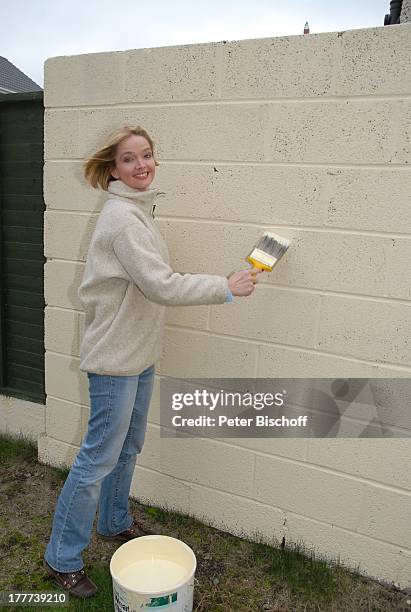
(127, 283)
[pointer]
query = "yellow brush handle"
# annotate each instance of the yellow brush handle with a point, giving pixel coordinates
(258, 265)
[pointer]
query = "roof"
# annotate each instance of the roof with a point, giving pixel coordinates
(14, 80)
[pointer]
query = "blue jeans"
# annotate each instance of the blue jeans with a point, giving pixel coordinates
(102, 472)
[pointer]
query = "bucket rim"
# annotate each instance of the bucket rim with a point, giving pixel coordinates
(172, 588)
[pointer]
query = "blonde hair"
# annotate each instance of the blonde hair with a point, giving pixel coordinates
(97, 168)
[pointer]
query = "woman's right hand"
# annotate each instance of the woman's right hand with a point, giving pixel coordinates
(242, 283)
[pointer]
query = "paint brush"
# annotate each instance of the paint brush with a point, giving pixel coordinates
(268, 250)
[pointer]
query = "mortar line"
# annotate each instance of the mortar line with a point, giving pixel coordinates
(76, 403)
(338, 294)
(297, 348)
(253, 224)
(314, 466)
(307, 290)
(352, 359)
(233, 101)
(301, 228)
(283, 510)
(308, 464)
(294, 347)
(317, 323)
(296, 289)
(233, 162)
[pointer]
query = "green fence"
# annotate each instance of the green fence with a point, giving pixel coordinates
(21, 246)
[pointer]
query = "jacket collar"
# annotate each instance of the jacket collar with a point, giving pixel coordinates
(144, 199)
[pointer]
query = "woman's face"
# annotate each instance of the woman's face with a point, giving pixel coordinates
(134, 163)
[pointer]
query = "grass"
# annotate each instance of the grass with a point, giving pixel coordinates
(233, 574)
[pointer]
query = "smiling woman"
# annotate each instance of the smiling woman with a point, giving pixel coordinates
(120, 157)
(135, 164)
(127, 283)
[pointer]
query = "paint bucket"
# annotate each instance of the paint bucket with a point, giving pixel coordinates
(153, 572)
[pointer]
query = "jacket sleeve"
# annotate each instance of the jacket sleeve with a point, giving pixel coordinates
(137, 253)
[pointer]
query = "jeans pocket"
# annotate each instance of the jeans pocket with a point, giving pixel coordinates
(100, 385)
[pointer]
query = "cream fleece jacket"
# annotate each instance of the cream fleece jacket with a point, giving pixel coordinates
(128, 282)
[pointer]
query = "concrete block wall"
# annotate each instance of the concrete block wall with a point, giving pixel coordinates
(405, 11)
(21, 418)
(306, 136)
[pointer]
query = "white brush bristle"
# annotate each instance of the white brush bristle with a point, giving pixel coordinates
(268, 250)
(273, 245)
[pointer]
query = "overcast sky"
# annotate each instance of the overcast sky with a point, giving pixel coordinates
(33, 30)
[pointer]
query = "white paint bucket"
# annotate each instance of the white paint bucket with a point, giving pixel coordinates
(153, 572)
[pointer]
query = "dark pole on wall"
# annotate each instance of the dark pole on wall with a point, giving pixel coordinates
(395, 12)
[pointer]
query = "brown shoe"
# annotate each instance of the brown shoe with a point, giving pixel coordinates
(76, 583)
(132, 532)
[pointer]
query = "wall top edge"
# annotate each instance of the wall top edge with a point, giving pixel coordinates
(220, 43)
